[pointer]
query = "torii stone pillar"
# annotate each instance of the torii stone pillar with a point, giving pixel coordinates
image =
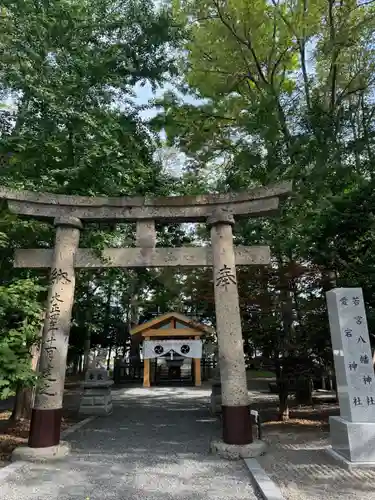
(235, 400)
(237, 425)
(47, 410)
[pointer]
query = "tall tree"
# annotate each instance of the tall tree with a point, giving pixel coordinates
(69, 68)
(285, 92)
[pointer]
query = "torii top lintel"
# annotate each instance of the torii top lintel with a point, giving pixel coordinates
(254, 202)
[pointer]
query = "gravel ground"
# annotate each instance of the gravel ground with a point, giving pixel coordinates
(154, 446)
(299, 464)
(17, 435)
(301, 467)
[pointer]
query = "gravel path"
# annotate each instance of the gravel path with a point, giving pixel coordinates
(153, 447)
(303, 470)
(298, 463)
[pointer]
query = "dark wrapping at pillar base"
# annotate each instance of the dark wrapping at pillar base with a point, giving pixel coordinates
(237, 428)
(45, 428)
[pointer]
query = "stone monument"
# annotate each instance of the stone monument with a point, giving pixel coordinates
(353, 432)
(100, 359)
(96, 398)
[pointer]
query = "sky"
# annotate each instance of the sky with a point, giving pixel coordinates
(143, 96)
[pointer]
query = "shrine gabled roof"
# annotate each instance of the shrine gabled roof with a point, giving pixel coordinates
(189, 322)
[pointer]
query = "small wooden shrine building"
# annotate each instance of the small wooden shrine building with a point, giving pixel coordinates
(171, 348)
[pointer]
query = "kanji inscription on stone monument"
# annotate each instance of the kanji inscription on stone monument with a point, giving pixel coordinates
(352, 354)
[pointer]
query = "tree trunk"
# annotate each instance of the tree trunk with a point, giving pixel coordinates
(330, 382)
(304, 391)
(283, 392)
(287, 313)
(85, 360)
(283, 401)
(109, 357)
(75, 364)
(124, 350)
(24, 399)
(23, 404)
(86, 351)
(135, 341)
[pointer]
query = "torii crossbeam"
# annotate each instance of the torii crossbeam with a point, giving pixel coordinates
(141, 257)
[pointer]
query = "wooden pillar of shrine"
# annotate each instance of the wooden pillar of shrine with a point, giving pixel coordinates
(197, 370)
(146, 371)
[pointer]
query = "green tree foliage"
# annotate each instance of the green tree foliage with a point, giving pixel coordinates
(71, 67)
(20, 320)
(285, 91)
(68, 124)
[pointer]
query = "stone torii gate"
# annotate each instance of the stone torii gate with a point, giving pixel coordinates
(69, 213)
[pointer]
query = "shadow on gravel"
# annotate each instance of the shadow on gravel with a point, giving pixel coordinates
(154, 446)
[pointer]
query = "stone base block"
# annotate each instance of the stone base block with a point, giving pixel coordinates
(353, 441)
(346, 464)
(98, 411)
(215, 404)
(96, 401)
(27, 454)
(236, 452)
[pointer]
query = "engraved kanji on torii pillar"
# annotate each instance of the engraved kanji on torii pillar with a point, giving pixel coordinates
(237, 427)
(47, 411)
